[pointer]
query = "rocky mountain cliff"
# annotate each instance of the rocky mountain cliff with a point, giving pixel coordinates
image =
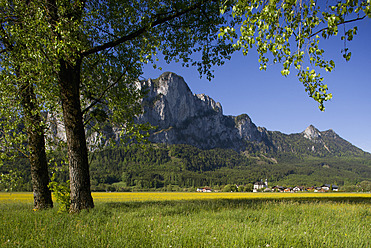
(182, 117)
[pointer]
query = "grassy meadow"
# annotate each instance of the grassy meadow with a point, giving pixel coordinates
(192, 220)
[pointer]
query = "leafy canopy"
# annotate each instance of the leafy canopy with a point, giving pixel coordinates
(289, 32)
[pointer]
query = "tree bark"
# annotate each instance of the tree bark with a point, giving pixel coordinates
(69, 83)
(36, 142)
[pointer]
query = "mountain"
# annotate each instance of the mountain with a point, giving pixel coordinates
(182, 117)
(195, 144)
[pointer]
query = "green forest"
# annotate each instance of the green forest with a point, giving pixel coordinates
(184, 167)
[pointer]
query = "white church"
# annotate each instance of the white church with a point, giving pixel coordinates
(260, 185)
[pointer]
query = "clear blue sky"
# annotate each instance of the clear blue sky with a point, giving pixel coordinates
(281, 104)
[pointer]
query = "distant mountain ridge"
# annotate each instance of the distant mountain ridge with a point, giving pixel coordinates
(182, 117)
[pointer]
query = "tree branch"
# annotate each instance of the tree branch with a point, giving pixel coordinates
(104, 31)
(11, 144)
(103, 93)
(140, 31)
(5, 39)
(344, 22)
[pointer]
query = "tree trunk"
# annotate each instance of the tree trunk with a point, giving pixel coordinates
(69, 83)
(36, 142)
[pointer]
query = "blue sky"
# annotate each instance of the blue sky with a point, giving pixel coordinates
(280, 103)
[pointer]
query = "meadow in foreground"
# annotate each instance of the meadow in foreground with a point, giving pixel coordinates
(228, 220)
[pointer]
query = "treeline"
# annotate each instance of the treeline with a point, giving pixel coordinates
(159, 166)
(178, 167)
(184, 166)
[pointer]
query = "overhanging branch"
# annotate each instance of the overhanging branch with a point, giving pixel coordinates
(103, 93)
(344, 22)
(137, 33)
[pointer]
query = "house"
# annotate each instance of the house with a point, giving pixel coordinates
(312, 188)
(327, 187)
(205, 189)
(289, 189)
(260, 185)
(278, 189)
(320, 189)
(297, 189)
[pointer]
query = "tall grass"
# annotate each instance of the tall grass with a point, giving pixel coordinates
(301, 222)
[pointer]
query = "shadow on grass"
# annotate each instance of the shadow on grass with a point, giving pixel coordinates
(214, 205)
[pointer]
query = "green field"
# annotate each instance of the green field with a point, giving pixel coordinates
(192, 220)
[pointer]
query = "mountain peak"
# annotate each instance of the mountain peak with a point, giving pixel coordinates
(311, 133)
(182, 117)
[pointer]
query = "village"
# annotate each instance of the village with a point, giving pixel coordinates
(261, 186)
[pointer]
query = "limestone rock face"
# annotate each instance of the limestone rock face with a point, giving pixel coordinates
(182, 117)
(56, 130)
(170, 102)
(247, 129)
(311, 133)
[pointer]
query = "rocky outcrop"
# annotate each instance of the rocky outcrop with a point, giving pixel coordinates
(182, 117)
(311, 133)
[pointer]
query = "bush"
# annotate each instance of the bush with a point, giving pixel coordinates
(249, 187)
(365, 186)
(61, 192)
(230, 188)
(120, 186)
(349, 188)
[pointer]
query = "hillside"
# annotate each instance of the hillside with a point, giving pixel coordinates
(187, 166)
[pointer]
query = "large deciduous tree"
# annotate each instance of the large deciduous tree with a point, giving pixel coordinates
(20, 112)
(112, 39)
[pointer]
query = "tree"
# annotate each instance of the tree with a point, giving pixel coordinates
(112, 39)
(20, 111)
(365, 185)
(249, 187)
(229, 188)
(289, 32)
(36, 145)
(9, 181)
(241, 188)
